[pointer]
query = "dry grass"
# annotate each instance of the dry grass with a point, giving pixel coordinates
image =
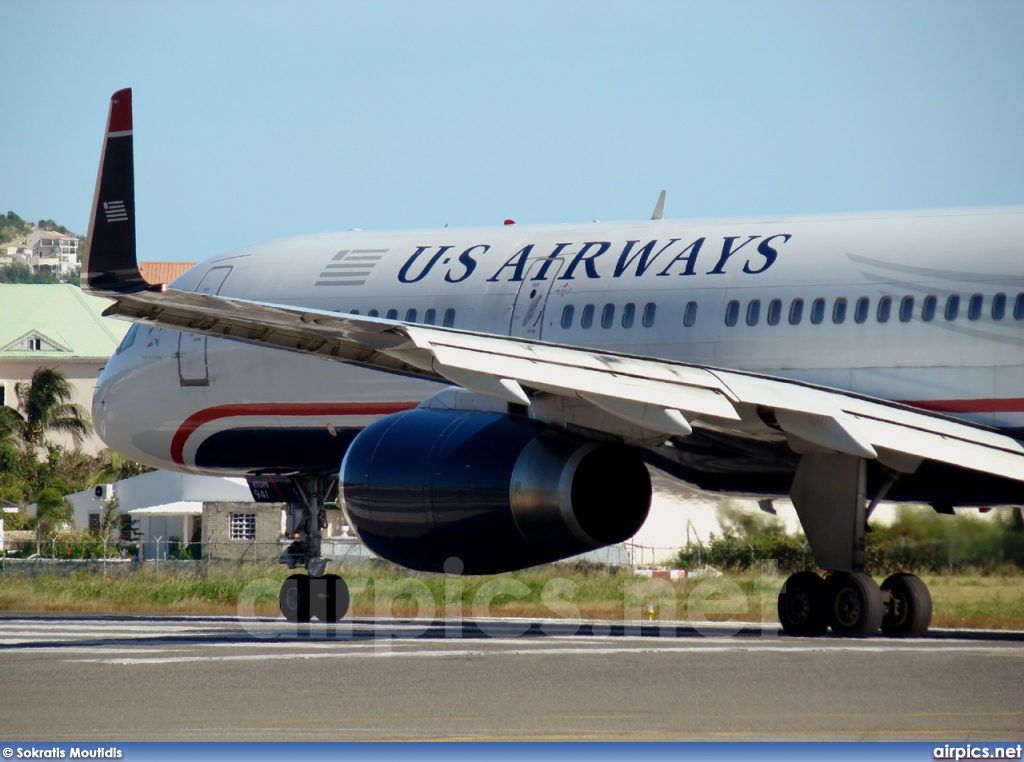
(972, 600)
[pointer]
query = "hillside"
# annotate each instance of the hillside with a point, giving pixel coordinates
(15, 231)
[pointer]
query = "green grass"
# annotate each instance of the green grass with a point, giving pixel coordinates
(563, 590)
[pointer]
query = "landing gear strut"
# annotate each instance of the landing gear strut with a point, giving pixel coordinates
(316, 594)
(829, 494)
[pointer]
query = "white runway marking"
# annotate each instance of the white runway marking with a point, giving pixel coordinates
(383, 652)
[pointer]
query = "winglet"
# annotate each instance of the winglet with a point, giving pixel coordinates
(659, 208)
(110, 264)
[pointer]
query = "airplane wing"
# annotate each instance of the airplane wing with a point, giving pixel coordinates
(653, 395)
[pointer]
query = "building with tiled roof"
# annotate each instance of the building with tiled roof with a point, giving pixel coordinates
(163, 272)
(55, 326)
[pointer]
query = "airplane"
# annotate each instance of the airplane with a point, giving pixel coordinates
(483, 400)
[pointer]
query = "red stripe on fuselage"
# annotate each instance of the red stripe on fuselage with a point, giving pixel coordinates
(196, 420)
(1007, 405)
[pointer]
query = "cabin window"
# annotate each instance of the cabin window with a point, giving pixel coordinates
(999, 306)
(796, 311)
(906, 309)
(354, 312)
(974, 307)
(690, 314)
(449, 317)
(732, 313)
(608, 316)
(587, 316)
(1018, 308)
(839, 310)
(628, 314)
(567, 316)
(753, 311)
(372, 313)
(430, 316)
(928, 307)
(129, 338)
(818, 311)
(649, 311)
(860, 311)
(410, 316)
(392, 315)
(884, 309)
(774, 311)
(952, 307)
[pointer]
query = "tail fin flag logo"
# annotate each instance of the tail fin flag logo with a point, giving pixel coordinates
(115, 211)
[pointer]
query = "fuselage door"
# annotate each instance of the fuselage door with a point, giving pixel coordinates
(532, 298)
(192, 366)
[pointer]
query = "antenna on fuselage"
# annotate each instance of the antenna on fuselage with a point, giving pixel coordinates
(659, 208)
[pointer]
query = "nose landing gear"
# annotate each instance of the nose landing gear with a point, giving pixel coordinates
(304, 597)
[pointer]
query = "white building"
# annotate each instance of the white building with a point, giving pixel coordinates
(167, 505)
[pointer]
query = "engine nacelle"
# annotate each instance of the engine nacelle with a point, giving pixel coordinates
(498, 492)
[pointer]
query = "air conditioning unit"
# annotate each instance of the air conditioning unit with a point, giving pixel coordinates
(104, 491)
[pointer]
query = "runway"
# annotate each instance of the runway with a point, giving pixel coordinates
(215, 679)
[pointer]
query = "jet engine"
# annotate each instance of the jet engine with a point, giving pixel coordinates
(498, 492)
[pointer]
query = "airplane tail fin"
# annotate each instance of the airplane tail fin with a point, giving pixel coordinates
(110, 263)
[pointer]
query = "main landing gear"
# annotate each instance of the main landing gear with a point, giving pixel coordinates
(828, 493)
(854, 606)
(316, 594)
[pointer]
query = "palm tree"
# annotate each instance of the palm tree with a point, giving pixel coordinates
(45, 405)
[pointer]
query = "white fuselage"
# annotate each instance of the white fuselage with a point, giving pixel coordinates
(922, 307)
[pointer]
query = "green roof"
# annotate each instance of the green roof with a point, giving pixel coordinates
(66, 322)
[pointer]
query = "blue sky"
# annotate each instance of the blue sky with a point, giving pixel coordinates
(260, 120)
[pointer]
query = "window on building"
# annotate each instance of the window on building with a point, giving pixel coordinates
(449, 317)
(243, 526)
(839, 310)
(928, 307)
(567, 316)
(774, 311)
(974, 307)
(649, 311)
(884, 309)
(129, 527)
(732, 313)
(796, 311)
(999, 306)
(587, 316)
(906, 309)
(628, 315)
(94, 523)
(608, 316)
(430, 316)
(860, 311)
(952, 307)
(690, 314)
(818, 311)
(35, 344)
(753, 311)
(3, 394)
